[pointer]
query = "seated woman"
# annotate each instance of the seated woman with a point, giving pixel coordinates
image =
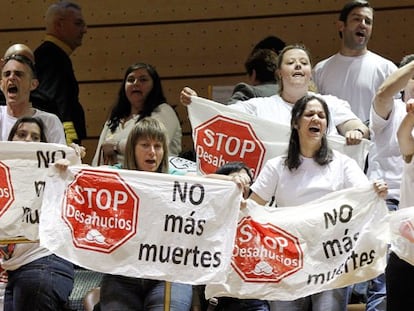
(140, 96)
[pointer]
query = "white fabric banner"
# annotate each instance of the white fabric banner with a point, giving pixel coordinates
(186, 228)
(140, 224)
(222, 134)
(402, 233)
(287, 253)
(23, 167)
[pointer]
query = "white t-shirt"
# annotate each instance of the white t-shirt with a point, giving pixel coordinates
(275, 109)
(309, 182)
(53, 127)
(355, 79)
(407, 182)
(163, 113)
(384, 159)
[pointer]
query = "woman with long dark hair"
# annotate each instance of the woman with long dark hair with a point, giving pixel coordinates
(139, 96)
(310, 170)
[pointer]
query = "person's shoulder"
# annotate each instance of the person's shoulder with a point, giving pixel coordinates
(339, 156)
(47, 115)
(266, 89)
(48, 52)
(379, 60)
(324, 62)
(328, 98)
(163, 108)
(267, 100)
(46, 46)
(276, 161)
(241, 86)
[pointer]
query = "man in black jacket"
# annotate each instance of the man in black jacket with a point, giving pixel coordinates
(65, 28)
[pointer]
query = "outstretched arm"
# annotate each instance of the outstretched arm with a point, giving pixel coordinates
(384, 99)
(404, 134)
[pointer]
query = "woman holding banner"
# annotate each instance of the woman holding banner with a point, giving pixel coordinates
(146, 150)
(294, 75)
(36, 277)
(310, 170)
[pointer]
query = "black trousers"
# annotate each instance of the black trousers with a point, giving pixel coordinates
(399, 276)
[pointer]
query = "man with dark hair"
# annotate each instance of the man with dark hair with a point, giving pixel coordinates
(271, 43)
(18, 79)
(354, 73)
(260, 67)
(65, 28)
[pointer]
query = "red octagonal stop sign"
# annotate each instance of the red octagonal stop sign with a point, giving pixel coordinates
(6, 189)
(264, 252)
(101, 210)
(222, 139)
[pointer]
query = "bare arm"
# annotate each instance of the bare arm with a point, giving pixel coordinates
(405, 138)
(257, 199)
(353, 130)
(384, 101)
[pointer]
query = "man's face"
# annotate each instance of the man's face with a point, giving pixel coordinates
(72, 28)
(357, 29)
(16, 82)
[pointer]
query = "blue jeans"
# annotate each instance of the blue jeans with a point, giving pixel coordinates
(42, 285)
(230, 304)
(332, 300)
(121, 293)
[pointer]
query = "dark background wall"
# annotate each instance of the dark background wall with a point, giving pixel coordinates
(195, 43)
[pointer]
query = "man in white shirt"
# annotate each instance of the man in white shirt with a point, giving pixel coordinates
(354, 73)
(18, 79)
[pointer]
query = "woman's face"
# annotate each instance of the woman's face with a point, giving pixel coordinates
(148, 154)
(27, 132)
(295, 68)
(312, 124)
(138, 85)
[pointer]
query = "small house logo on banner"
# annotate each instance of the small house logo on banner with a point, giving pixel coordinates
(221, 140)
(101, 210)
(6, 189)
(264, 252)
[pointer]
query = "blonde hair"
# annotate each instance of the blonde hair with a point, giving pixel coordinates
(151, 128)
